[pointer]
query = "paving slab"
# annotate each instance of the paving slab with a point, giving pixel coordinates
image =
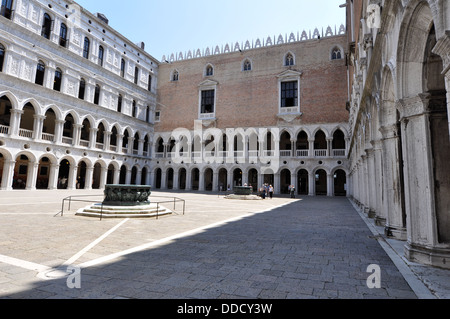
(308, 247)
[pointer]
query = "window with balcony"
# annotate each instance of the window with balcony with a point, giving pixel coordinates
(289, 94)
(122, 68)
(6, 9)
(119, 104)
(46, 26)
(86, 47)
(101, 53)
(57, 80)
(2, 57)
(136, 75)
(207, 101)
(63, 35)
(40, 72)
(97, 95)
(82, 89)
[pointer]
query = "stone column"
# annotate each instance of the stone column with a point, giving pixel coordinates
(107, 140)
(59, 131)
(312, 184)
(392, 182)
(8, 174)
(93, 137)
(421, 193)
(37, 126)
(330, 185)
(77, 134)
(88, 177)
(14, 124)
(72, 180)
(103, 177)
(53, 177)
(215, 181)
(32, 175)
(277, 181)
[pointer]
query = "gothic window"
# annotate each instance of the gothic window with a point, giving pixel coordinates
(82, 89)
(119, 104)
(134, 110)
(86, 46)
(97, 95)
(136, 75)
(336, 54)
(46, 26)
(147, 114)
(209, 70)
(6, 9)
(40, 72)
(122, 68)
(101, 53)
(247, 66)
(289, 60)
(289, 94)
(57, 81)
(2, 57)
(175, 76)
(207, 101)
(63, 35)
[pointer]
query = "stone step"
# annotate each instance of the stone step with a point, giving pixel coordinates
(147, 211)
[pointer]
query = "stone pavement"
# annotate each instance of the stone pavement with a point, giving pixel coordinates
(306, 248)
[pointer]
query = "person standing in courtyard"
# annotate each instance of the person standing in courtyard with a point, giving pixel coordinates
(270, 191)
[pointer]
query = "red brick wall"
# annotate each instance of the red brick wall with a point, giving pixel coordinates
(251, 99)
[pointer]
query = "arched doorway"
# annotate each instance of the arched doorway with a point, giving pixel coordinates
(110, 174)
(435, 89)
(321, 182)
(144, 176)
(303, 182)
(97, 175)
(158, 178)
(42, 180)
(134, 172)
(285, 181)
(169, 177)
(48, 128)
(253, 179)
(237, 177)
(223, 179)
(63, 174)
(195, 175)
(208, 176)
(123, 175)
(27, 121)
(320, 144)
(81, 175)
(340, 183)
(182, 175)
(5, 114)
(21, 172)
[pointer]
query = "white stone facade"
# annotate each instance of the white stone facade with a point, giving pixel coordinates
(65, 121)
(400, 141)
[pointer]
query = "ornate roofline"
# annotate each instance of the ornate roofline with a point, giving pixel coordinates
(269, 41)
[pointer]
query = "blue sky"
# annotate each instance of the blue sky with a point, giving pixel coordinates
(180, 25)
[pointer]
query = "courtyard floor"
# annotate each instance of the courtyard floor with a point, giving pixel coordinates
(303, 248)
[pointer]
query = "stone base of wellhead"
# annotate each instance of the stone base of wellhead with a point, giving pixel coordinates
(143, 211)
(243, 197)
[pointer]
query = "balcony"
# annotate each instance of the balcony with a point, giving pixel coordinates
(4, 129)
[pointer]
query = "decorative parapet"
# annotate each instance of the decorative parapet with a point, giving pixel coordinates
(269, 41)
